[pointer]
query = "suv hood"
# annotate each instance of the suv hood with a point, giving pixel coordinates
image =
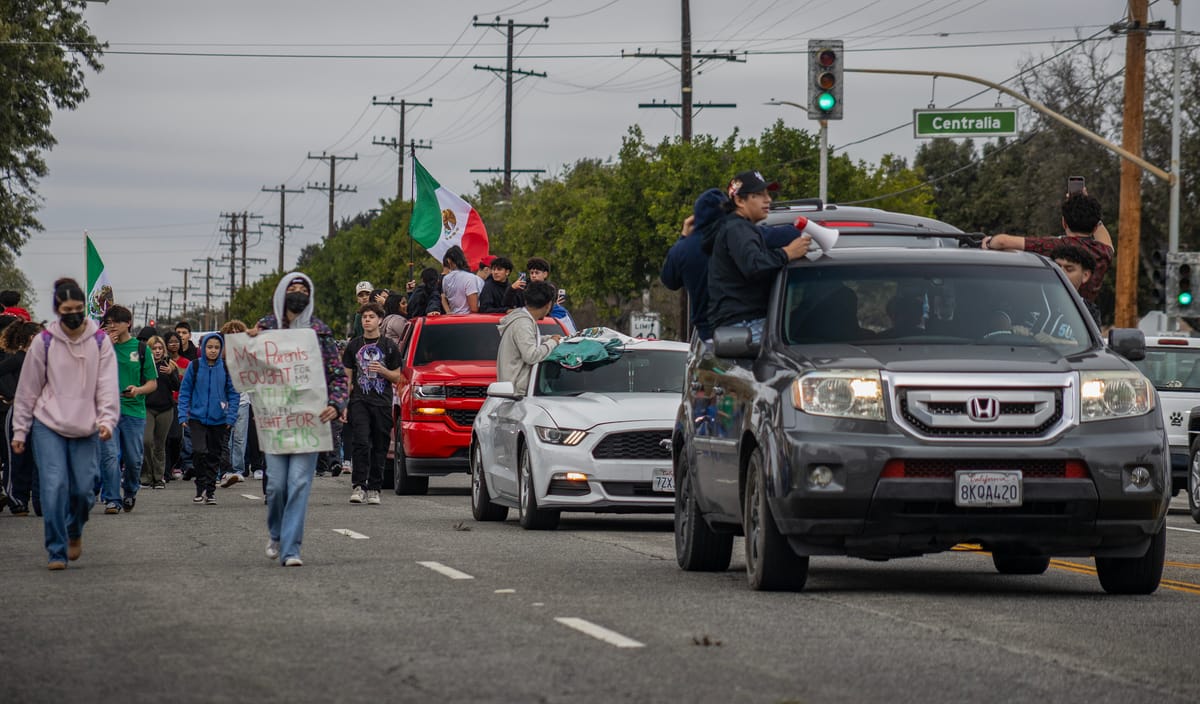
(591, 409)
(951, 359)
(468, 373)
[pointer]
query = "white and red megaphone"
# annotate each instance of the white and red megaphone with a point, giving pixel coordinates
(825, 237)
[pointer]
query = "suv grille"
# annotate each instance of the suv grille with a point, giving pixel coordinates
(945, 469)
(466, 392)
(639, 445)
(981, 413)
(462, 417)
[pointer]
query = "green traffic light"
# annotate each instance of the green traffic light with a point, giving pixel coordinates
(826, 101)
(1185, 298)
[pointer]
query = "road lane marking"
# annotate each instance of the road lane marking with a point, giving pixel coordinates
(1185, 530)
(442, 569)
(598, 632)
(505, 591)
(1187, 565)
(351, 534)
(252, 497)
(1089, 570)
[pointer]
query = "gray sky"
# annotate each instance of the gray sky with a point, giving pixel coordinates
(166, 143)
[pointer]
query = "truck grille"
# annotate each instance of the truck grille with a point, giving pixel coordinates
(981, 413)
(639, 445)
(466, 392)
(462, 417)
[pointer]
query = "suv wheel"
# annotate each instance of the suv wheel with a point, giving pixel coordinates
(531, 517)
(771, 564)
(1134, 575)
(698, 548)
(406, 484)
(1020, 564)
(1193, 482)
(481, 501)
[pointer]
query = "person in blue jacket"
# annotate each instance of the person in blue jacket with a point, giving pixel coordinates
(208, 407)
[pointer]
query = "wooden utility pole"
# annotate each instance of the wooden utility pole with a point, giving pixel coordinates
(1129, 221)
(282, 224)
(233, 231)
(398, 144)
(332, 186)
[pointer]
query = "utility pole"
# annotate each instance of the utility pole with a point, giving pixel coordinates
(186, 271)
(1129, 219)
(245, 236)
(156, 310)
(233, 231)
(398, 144)
(282, 224)
(208, 277)
(170, 291)
(509, 72)
(332, 186)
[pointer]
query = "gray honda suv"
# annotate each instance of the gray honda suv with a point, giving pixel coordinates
(903, 401)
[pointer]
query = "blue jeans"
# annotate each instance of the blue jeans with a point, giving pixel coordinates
(237, 441)
(289, 479)
(756, 328)
(124, 448)
(68, 468)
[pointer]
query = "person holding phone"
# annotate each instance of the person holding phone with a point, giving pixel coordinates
(121, 455)
(160, 415)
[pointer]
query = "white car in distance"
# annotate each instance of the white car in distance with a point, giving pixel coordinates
(593, 439)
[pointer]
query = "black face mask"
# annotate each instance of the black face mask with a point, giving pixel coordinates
(295, 302)
(72, 321)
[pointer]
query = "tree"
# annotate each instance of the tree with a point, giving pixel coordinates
(44, 47)
(13, 279)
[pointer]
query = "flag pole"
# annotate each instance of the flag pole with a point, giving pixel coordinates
(413, 192)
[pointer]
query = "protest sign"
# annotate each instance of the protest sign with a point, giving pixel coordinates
(285, 375)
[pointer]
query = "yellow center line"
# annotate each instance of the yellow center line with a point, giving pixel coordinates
(1185, 565)
(1085, 569)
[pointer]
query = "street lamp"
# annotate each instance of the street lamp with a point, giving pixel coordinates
(823, 177)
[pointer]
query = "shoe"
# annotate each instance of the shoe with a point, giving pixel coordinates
(358, 495)
(146, 485)
(210, 500)
(230, 479)
(160, 485)
(258, 474)
(128, 503)
(177, 474)
(273, 550)
(74, 548)
(56, 566)
(198, 499)
(293, 562)
(320, 472)
(112, 508)
(373, 497)
(17, 508)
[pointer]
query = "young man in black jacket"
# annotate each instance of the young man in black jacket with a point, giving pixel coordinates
(491, 298)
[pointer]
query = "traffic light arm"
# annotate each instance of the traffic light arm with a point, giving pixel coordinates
(1079, 129)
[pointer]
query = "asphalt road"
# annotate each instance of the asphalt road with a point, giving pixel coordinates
(414, 601)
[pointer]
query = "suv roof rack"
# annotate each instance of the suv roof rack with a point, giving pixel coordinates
(812, 202)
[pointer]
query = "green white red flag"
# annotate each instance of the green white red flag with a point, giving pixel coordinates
(100, 292)
(441, 220)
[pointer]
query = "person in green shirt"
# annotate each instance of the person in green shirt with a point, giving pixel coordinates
(137, 376)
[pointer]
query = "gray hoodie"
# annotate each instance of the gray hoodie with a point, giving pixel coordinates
(521, 347)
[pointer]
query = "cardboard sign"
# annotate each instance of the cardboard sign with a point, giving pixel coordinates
(285, 375)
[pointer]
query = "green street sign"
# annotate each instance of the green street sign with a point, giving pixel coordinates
(987, 122)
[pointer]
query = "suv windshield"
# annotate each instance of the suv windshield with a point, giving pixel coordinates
(887, 303)
(466, 342)
(1172, 369)
(635, 371)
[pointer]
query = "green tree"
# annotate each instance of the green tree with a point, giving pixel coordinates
(45, 46)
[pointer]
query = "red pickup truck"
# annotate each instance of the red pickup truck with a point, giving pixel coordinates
(449, 360)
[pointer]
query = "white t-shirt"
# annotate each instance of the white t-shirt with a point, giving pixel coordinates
(456, 286)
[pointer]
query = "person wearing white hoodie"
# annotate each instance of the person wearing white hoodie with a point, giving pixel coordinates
(521, 344)
(67, 402)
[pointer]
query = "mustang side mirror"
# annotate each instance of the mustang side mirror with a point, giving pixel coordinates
(733, 342)
(502, 389)
(1130, 343)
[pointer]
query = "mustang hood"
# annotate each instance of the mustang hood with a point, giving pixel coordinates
(591, 409)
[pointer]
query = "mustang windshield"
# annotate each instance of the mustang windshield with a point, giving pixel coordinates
(635, 371)
(934, 304)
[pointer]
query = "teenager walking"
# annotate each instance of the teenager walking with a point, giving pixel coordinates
(160, 415)
(372, 363)
(208, 407)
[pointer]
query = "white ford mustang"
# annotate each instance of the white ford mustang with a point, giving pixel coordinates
(596, 438)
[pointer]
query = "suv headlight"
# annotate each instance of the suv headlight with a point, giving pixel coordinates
(560, 436)
(843, 393)
(429, 391)
(1108, 395)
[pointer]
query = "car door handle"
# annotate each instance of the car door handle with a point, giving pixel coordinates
(696, 386)
(718, 390)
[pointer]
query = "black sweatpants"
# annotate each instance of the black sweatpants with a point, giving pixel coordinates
(370, 428)
(208, 444)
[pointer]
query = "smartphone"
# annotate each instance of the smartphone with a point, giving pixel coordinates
(1074, 185)
(562, 294)
(522, 277)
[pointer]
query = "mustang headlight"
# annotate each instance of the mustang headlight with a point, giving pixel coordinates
(843, 393)
(560, 436)
(429, 391)
(1108, 395)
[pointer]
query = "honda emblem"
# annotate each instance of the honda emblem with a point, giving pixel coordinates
(983, 408)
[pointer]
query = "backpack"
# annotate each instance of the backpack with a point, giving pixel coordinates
(99, 337)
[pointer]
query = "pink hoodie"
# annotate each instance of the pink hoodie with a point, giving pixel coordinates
(74, 392)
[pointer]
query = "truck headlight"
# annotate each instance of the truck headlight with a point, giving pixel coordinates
(429, 391)
(1108, 395)
(844, 393)
(560, 436)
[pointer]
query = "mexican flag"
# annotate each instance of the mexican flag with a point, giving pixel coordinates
(100, 293)
(441, 220)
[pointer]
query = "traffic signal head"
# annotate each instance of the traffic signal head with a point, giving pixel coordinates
(825, 79)
(1184, 298)
(1158, 276)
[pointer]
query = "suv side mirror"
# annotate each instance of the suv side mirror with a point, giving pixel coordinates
(733, 342)
(1130, 343)
(502, 389)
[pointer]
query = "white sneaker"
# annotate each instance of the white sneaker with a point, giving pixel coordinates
(273, 550)
(230, 479)
(293, 562)
(373, 497)
(258, 474)
(358, 495)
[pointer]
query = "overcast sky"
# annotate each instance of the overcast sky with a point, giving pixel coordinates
(167, 141)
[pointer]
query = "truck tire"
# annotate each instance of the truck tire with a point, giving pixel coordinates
(771, 564)
(1134, 575)
(1020, 564)
(531, 517)
(482, 507)
(698, 548)
(406, 484)
(1193, 482)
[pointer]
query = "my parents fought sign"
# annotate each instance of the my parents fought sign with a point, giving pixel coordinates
(284, 373)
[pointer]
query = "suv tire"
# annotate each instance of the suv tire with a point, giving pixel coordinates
(481, 500)
(531, 517)
(771, 564)
(1193, 482)
(1134, 575)
(406, 484)
(1020, 564)
(698, 548)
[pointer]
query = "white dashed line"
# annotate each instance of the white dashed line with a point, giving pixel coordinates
(1185, 530)
(598, 632)
(252, 497)
(351, 534)
(505, 591)
(448, 571)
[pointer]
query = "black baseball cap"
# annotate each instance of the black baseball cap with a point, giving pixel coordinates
(748, 182)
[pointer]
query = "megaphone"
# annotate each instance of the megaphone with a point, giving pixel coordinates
(825, 237)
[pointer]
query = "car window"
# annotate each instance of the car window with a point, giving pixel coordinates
(465, 342)
(635, 371)
(1173, 369)
(887, 303)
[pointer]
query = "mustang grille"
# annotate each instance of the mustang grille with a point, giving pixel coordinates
(637, 445)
